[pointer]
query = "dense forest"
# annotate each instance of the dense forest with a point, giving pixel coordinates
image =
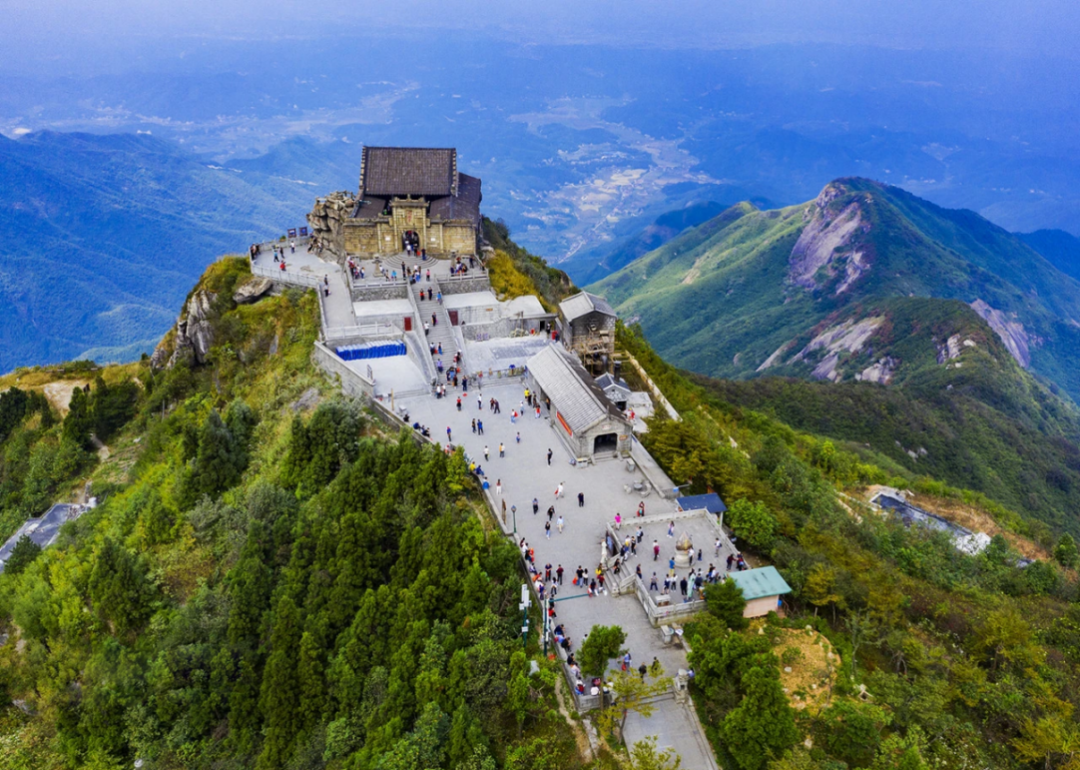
(930, 657)
(274, 578)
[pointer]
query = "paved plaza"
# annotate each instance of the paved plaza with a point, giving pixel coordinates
(525, 474)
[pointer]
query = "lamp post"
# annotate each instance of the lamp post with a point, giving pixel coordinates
(513, 509)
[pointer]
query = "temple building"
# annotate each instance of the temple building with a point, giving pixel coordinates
(407, 195)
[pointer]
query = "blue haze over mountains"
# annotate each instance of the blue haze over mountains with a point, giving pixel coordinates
(131, 162)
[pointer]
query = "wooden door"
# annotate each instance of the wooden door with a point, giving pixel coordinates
(408, 323)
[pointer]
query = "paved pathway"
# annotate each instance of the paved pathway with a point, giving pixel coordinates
(305, 262)
(525, 474)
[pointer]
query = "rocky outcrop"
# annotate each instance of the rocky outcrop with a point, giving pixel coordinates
(881, 371)
(952, 348)
(327, 221)
(1012, 333)
(828, 243)
(849, 336)
(252, 291)
(776, 355)
(194, 330)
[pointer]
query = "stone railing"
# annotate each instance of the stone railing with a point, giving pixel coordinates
(343, 334)
(462, 284)
(286, 276)
(654, 389)
(661, 614)
(373, 290)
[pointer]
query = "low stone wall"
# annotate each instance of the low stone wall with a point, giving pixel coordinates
(464, 284)
(373, 290)
(503, 327)
(351, 383)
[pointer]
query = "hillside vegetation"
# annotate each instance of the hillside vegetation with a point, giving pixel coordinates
(929, 657)
(260, 587)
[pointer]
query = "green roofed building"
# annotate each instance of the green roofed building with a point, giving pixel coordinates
(762, 589)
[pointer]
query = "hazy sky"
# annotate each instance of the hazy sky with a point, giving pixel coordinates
(34, 28)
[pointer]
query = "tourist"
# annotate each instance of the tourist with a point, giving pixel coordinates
(536, 506)
(641, 508)
(550, 512)
(459, 403)
(618, 521)
(655, 550)
(559, 574)
(517, 438)
(480, 427)
(652, 583)
(560, 525)
(474, 425)
(498, 487)
(549, 456)
(559, 491)
(671, 529)
(448, 438)
(486, 458)
(580, 499)
(502, 450)
(547, 529)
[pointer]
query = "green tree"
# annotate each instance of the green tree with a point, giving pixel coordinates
(762, 726)
(218, 463)
(632, 693)
(644, 756)
(752, 522)
(820, 588)
(852, 731)
(1065, 551)
(725, 602)
(601, 645)
(22, 555)
(119, 589)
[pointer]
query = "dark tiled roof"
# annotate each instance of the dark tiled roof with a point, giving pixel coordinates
(388, 171)
(464, 205)
(369, 207)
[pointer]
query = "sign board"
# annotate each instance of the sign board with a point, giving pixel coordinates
(292, 232)
(303, 232)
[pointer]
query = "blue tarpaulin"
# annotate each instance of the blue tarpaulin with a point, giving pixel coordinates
(710, 502)
(371, 350)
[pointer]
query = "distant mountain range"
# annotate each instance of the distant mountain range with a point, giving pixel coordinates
(104, 235)
(817, 289)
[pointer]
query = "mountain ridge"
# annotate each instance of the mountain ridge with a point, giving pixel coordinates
(725, 297)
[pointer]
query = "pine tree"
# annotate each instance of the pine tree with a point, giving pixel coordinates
(762, 726)
(725, 601)
(22, 555)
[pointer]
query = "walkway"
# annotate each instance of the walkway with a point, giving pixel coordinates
(525, 474)
(310, 267)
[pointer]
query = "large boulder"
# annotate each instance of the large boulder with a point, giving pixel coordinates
(252, 291)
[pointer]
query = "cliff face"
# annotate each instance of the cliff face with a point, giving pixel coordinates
(829, 245)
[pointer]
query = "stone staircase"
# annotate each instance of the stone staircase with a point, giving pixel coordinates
(441, 333)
